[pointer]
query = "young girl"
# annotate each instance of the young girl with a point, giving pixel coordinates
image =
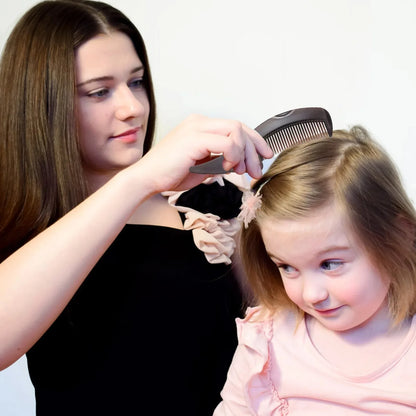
(329, 248)
(102, 282)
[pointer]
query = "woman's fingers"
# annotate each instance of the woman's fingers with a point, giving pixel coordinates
(195, 140)
(239, 144)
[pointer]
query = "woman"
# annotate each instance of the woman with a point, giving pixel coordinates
(101, 283)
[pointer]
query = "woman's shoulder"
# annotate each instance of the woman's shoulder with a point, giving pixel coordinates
(218, 196)
(210, 211)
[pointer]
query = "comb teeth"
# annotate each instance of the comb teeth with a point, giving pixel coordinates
(281, 132)
(288, 136)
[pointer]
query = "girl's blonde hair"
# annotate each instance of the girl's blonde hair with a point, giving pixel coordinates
(354, 172)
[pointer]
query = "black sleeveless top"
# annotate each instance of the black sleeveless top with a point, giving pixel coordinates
(151, 331)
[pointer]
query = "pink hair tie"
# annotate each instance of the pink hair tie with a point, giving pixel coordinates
(251, 202)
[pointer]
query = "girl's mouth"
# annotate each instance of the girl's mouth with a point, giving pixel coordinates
(328, 312)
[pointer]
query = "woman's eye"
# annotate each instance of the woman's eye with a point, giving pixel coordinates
(98, 93)
(136, 83)
(330, 265)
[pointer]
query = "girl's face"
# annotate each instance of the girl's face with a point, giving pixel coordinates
(324, 269)
(112, 103)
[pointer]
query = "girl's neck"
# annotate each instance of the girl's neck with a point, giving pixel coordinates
(357, 351)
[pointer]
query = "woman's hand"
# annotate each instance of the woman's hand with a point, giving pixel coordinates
(194, 140)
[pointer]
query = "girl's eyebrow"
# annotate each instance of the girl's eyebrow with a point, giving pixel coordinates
(106, 78)
(322, 253)
(331, 249)
(274, 258)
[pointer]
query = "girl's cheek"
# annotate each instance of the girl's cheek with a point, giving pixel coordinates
(293, 291)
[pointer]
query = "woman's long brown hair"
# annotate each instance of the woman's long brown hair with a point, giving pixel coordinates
(41, 173)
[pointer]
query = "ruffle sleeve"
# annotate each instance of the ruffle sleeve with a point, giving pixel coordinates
(213, 235)
(249, 389)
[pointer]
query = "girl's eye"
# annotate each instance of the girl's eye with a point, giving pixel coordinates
(286, 269)
(330, 265)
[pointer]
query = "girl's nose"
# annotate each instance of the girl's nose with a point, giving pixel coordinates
(129, 106)
(314, 291)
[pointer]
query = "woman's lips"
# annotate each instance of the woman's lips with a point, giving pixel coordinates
(129, 136)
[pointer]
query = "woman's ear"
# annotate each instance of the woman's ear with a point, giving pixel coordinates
(408, 229)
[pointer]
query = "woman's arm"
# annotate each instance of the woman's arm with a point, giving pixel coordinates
(39, 279)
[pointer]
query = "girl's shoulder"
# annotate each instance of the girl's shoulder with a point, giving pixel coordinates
(260, 325)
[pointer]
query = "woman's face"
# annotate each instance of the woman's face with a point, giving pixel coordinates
(113, 107)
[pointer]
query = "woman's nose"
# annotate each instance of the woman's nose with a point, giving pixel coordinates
(128, 105)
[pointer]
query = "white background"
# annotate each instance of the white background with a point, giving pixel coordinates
(249, 60)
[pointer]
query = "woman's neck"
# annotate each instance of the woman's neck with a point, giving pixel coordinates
(96, 180)
(156, 211)
(153, 211)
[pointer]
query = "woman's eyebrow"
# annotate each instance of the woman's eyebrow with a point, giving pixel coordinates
(107, 78)
(98, 79)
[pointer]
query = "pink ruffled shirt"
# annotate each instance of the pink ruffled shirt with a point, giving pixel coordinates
(277, 371)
